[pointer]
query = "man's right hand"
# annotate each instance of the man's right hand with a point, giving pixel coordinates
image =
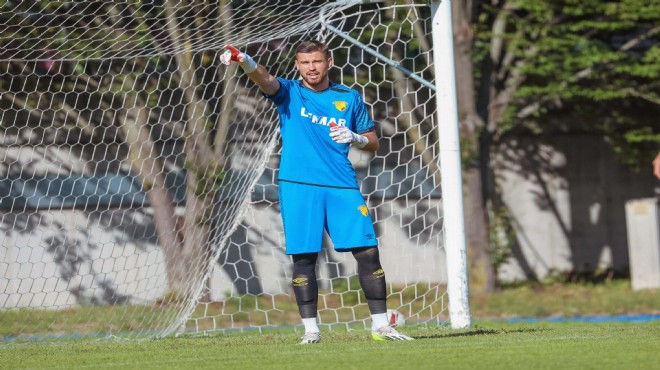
(656, 166)
(232, 54)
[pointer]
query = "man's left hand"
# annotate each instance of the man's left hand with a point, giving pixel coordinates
(342, 135)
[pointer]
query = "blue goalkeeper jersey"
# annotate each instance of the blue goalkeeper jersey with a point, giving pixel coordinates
(309, 155)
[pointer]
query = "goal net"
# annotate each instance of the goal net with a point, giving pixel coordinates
(138, 187)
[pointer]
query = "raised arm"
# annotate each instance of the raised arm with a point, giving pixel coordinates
(266, 82)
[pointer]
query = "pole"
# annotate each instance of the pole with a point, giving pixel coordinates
(450, 164)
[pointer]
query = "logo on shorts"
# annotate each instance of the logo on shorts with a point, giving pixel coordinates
(379, 273)
(364, 210)
(340, 105)
(301, 281)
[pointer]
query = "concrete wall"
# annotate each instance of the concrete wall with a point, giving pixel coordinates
(566, 197)
(62, 259)
(54, 253)
(71, 257)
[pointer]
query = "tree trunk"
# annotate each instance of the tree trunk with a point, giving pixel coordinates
(144, 161)
(481, 271)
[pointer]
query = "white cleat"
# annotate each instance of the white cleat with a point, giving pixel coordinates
(388, 333)
(311, 337)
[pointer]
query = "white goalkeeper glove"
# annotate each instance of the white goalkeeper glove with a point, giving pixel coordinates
(342, 135)
(232, 54)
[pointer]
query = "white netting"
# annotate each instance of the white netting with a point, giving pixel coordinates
(138, 193)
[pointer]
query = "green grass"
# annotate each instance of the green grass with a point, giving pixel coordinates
(529, 300)
(577, 299)
(82, 320)
(488, 345)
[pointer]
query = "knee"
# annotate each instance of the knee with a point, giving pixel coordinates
(304, 265)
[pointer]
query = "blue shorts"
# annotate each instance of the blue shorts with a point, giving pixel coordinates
(307, 210)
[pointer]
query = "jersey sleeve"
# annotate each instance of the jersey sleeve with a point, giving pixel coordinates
(363, 121)
(281, 94)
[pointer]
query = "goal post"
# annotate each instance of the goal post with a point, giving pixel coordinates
(138, 181)
(450, 164)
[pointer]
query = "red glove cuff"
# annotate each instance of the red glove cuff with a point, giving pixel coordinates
(235, 53)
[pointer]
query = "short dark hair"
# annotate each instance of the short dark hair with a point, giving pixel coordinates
(311, 46)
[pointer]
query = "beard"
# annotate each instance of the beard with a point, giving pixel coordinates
(315, 81)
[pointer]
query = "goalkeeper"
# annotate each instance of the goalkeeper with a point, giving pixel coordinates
(318, 190)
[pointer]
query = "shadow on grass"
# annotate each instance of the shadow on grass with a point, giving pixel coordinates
(476, 332)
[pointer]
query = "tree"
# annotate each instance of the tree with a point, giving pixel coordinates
(122, 61)
(586, 58)
(595, 63)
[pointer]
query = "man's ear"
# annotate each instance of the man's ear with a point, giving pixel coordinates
(330, 64)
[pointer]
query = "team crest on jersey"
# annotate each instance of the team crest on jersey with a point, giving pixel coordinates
(364, 210)
(340, 105)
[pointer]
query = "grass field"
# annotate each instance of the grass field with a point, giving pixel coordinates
(489, 344)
